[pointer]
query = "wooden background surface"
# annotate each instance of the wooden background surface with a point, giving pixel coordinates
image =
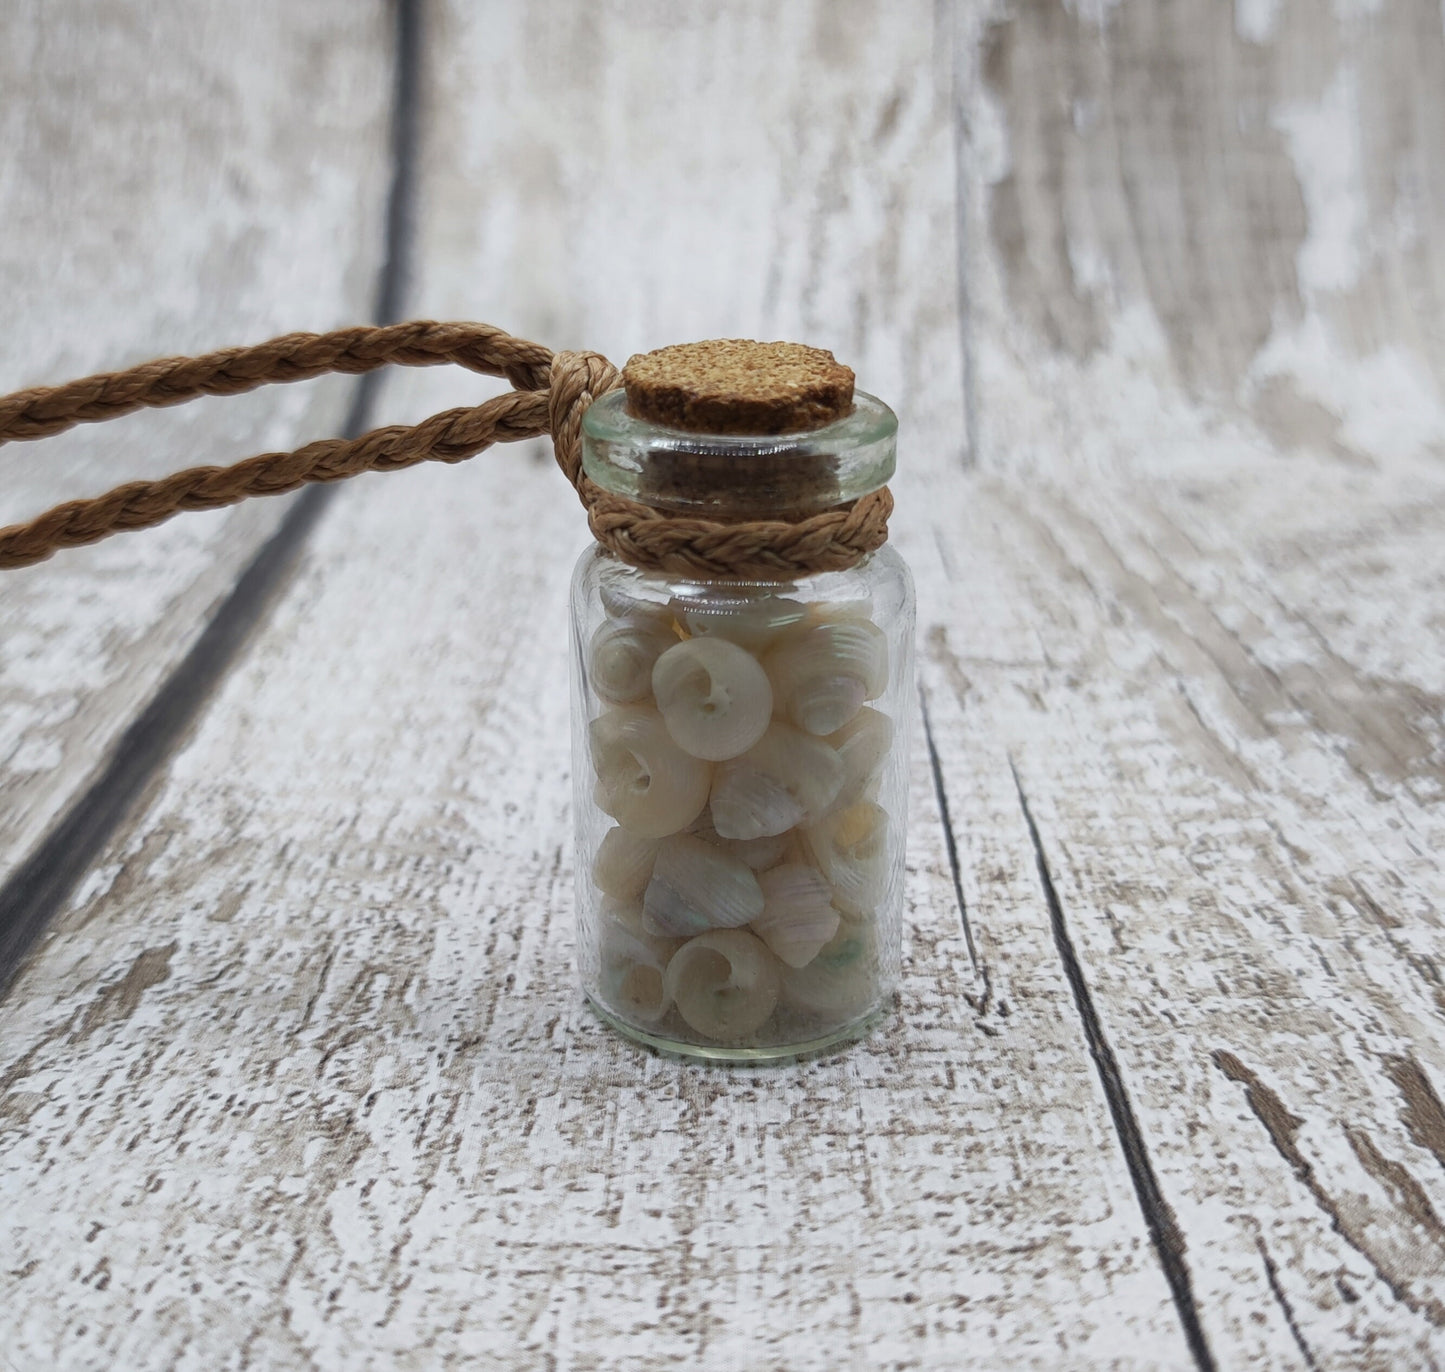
(297, 1075)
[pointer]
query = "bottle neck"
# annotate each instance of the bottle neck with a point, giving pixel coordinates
(726, 476)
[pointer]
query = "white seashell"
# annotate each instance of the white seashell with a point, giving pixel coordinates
(619, 591)
(599, 795)
(821, 675)
(695, 886)
(863, 744)
(627, 913)
(786, 778)
(752, 622)
(621, 655)
(644, 780)
(633, 965)
(850, 848)
(623, 864)
(724, 984)
(833, 611)
(757, 853)
(714, 697)
(798, 917)
(841, 982)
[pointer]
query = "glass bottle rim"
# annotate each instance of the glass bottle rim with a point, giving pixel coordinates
(739, 474)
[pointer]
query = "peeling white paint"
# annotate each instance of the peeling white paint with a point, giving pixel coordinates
(1255, 20)
(1095, 12)
(1388, 402)
(1324, 143)
(152, 209)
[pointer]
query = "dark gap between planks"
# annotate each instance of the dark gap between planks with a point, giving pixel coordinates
(39, 887)
(1158, 1214)
(979, 1004)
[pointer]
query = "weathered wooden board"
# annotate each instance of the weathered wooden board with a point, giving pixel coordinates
(175, 177)
(1169, 1095)
(1208, 399)
(334, 957)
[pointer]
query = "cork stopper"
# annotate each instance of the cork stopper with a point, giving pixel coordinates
(737, 386)
(733, 430)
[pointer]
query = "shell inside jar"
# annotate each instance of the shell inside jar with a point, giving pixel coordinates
(734, 748)
(634, 964)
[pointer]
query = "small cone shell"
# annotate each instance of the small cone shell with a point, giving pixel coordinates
(757, 853)
(724, 984)
(787, 778)
(752, 622)
(623, 865)
(644, 780)
(863, 744)
(751, 804)
(695, 887)
(823, 673)
(840, 983)
(621, 655)
(798, 917)
(714, 696)
(850, 848)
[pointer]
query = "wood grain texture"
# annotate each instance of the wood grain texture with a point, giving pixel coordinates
(412, 1141)
(1208, 385)
(176, 177)
(301, 1077)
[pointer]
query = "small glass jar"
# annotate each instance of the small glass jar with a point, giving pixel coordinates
(740, 753)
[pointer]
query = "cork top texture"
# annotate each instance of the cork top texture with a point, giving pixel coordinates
(738, 386)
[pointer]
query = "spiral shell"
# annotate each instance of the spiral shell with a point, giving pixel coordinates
(724, 984)
(714, 697)
(633, 965)
(850, 847)
(644, 780)
(752, 622)
(798, 916)
(786, 778)
(623, 865)
(823, 673)
(863, 744)
(695, 887)
(621, 655)
(841, 982)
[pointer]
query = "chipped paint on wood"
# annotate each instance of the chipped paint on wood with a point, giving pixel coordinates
(154, 207)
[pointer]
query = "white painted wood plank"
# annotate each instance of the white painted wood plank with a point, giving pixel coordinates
(1208, 385)
(175, 177)
(366, 1119)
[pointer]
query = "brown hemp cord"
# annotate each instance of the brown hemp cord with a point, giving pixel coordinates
(553, 391)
